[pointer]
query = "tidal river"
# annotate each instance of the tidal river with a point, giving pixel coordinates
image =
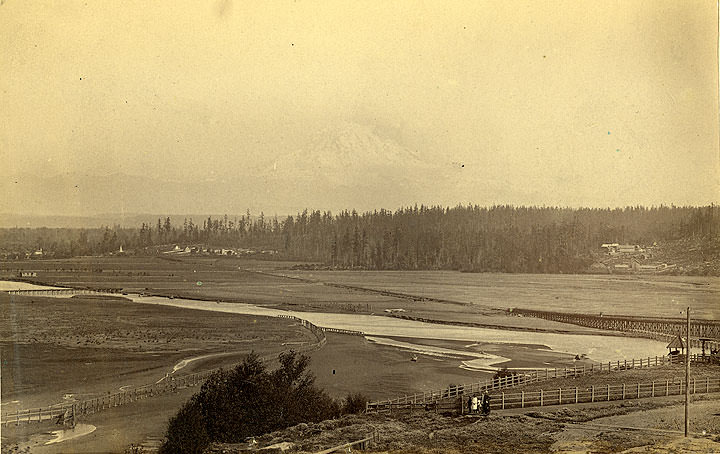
(598, 348)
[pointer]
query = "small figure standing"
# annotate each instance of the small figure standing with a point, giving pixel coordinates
(485, 404)
(474, 405)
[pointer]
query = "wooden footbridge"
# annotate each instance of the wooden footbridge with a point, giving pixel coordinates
(61, 291)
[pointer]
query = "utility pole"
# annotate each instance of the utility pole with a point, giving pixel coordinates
(687, 375)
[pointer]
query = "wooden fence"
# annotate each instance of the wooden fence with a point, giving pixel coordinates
(68, 412)
(565, 396)
(602, 393)
(529, 377)
(359, 444)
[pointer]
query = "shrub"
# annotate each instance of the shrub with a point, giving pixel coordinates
(354, 403)
(186, 431)
(249, 401)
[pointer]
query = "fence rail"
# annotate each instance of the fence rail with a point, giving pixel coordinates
(565, 396)
(68, 412)
(529, 377)
(359, 444)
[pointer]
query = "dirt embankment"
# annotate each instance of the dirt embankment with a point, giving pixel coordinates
(580, 429)
(419, 433)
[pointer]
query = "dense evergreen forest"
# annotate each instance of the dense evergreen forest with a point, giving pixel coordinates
(468, 238)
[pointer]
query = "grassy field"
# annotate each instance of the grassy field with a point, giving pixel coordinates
(663, 296)
(195, 278)
(227, 279)
(511, 431)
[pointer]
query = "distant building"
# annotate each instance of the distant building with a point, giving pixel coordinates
(629, 248)
(609, 247)
(616, 248)
(28, 274)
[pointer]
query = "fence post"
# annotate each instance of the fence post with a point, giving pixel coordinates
(522, 399)
(559, 396)
(541, 397)
(626, 363)
(608, 391)
(707, 384)
(638, 390)
(503, 401)
(693, 385)
(667, 387)
(623, 392)
(653, 388)
(592, 393)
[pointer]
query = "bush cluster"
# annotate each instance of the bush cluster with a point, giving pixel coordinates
(250, 400)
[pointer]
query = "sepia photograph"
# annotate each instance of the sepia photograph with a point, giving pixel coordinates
(411, 226)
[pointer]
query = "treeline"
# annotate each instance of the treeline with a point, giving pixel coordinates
(469, 238)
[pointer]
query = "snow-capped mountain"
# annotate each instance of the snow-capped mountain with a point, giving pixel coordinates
(346, 154)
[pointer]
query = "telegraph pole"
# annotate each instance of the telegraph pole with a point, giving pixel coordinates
(687, 375)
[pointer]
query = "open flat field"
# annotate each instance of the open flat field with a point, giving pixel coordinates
(227, 279)
(78, 347)
(195, 278)
(355, 364)
(662, 296)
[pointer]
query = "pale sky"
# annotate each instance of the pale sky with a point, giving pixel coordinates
(593, 103)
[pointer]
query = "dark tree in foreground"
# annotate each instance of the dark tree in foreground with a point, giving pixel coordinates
(249, 400)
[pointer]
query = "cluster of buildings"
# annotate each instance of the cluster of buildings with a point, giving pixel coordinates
(632, 249)
(203, 250)
(633, 258)
(636, 267)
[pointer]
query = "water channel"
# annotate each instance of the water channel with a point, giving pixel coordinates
(599, 348)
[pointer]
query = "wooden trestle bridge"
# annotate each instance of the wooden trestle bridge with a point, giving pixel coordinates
(656, 327)
(61, 291)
